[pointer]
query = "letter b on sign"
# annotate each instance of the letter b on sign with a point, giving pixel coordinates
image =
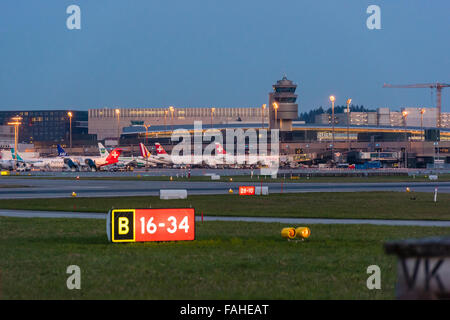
(123, 225)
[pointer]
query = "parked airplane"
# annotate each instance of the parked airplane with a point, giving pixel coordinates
(61, 151)
(96, 163)
(12, 164)
(162, 158)
(40, 163)
(161, 154)
(127, 161)
(91, 163)
(223, 158)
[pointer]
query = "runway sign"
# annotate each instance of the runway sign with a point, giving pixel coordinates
(143, 225)
(247, 191)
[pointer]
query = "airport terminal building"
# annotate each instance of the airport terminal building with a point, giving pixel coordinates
(384, 130)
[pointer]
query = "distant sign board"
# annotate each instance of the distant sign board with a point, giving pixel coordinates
(247, 191)
(143, 225)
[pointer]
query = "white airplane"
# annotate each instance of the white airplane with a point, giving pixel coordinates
(97, 163)
(127, 161)
(63, 161)
(223, 158)
(12, 164)
(162, 158)
(162, 155)
(42, 163)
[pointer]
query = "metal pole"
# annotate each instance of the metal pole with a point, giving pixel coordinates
(332, 133)
(422, 131)
(406, 145)
(70, 121)
(118, 127)
(348, 123)
(16, 133)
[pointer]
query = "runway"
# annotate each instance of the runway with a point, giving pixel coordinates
(306, 221)
(54, 188)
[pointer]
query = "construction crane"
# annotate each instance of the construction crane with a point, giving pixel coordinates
(438, 86)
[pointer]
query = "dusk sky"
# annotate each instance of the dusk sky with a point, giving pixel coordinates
(202, 53)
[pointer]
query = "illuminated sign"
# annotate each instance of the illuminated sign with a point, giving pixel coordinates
(142, 225)
(327, 136)
(247, 191)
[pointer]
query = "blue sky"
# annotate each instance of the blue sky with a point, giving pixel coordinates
(203, 53)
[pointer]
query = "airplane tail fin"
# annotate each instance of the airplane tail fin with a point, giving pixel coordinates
(159, 149)
(113, 157)
(220, 149)
(102, 149)
(13, 155)
(61, 151)
(144, 151)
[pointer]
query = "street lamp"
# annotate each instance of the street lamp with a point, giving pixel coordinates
(212, 115)
(405, 114)
(146, 126)
(118, 125)
(275, 107)
(70, 122)
(422, 111)
(332, 99)
(16, 122)
(348, 122)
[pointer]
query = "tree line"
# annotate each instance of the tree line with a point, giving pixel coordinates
(309, 116)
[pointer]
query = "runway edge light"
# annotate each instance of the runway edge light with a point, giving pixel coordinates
(302, 232)
(288, 233)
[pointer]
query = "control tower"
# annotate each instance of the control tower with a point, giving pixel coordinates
(282, 106)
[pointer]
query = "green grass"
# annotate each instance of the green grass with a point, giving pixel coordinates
(228, 260)
(247, 178)
(362, 205)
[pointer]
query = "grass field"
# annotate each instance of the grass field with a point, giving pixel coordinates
(365, 205)
(247, 178)
(228, 260)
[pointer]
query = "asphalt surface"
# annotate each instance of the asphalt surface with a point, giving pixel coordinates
(294, 221)
(54, 188)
